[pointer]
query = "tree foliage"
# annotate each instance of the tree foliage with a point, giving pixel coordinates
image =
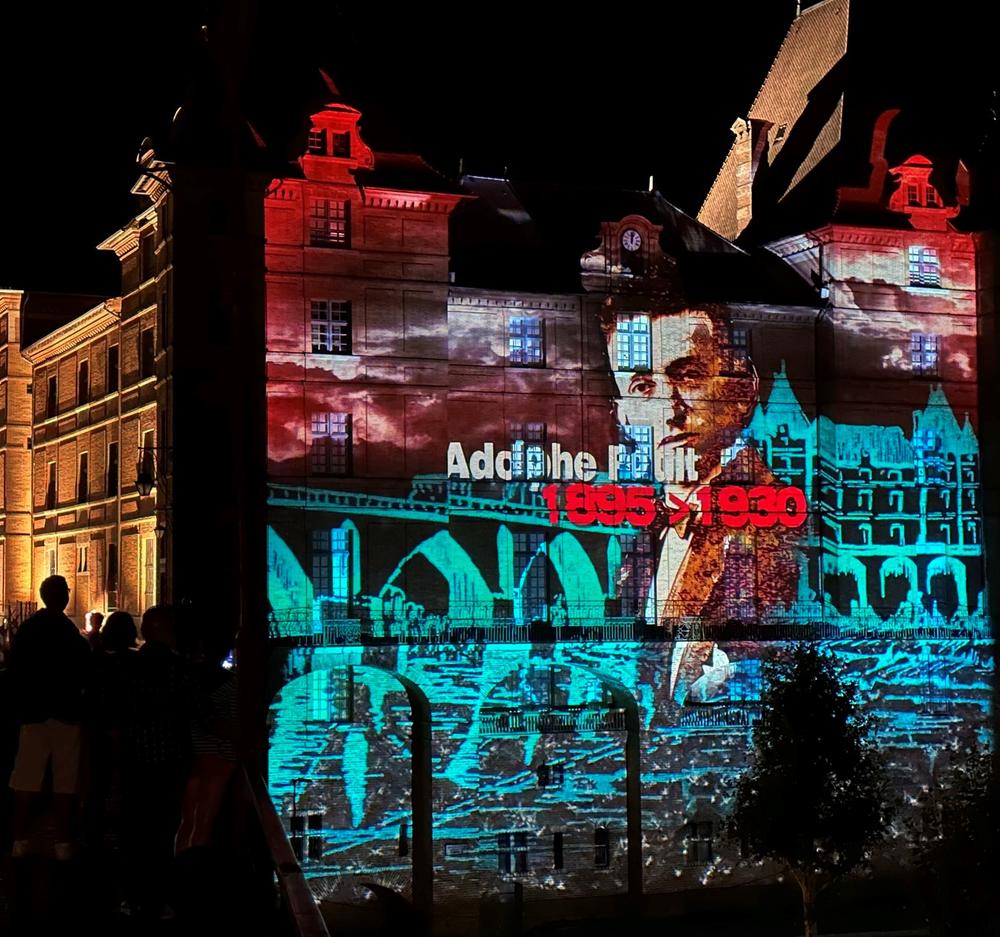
(815, 798)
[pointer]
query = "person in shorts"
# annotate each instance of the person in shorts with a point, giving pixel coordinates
(49, 667)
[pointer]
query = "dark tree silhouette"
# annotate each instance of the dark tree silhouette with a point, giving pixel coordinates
(955, 837)
(815, 798)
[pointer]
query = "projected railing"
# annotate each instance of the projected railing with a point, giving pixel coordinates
(318, 626)
(564, 719)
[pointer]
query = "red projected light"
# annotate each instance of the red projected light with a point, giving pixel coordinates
(730, 506)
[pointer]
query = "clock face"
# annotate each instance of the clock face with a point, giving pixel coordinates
(631, 239)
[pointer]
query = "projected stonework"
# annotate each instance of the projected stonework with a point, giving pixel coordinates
(528, 547)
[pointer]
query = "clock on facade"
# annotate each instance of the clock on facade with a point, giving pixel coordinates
(631, 239)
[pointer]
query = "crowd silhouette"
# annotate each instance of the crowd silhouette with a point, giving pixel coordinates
(121, 746)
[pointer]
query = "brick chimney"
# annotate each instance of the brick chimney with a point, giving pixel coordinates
(750, 145)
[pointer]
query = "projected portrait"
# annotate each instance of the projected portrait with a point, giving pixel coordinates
(723, 546)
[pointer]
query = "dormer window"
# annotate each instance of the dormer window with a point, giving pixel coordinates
(931, 197)
(316, 144)
(780, 135)
(342, 145)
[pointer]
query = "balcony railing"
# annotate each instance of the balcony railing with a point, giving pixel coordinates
(564, 719)
(315, 626)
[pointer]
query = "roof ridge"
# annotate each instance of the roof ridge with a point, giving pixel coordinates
(784, 42)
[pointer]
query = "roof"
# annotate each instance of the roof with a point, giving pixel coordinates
(44, 313)
(407, 172)
(531, 236)
(840, 68)
(792, 91)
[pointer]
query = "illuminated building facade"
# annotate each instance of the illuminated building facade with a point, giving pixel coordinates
(81, 425)
(553, 469)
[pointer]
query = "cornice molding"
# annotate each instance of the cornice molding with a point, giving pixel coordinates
(69, 337)
(428, 202)
(538, 302)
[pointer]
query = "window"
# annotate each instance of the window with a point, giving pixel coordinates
(306, 836)
(82, 481)
(699, 843)
(83, 383)
(50, 488)
(342, 145)
(331, 327)
(512, 852)
(924, 352)
(112, 587)
(164, 311)
(52, 400)
(321, 581)
(557, 850)
(148, 353)
(912, 194)
(328, 223)
(81, 559)
(635, 454)
(525, 345)
(316, 144)
(602, 848)
(551, 775)
(530, 572)
(111, 482)
(736, 353)
(112, 368)
(636, 575)
(780, 135)
(340, 565)
(931, 196)
(147, 256)
(330, 445)
(527, 450)
(148, 572)
(924, 266)
(632, 335)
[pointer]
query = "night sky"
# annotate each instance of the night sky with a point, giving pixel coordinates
(615, 96)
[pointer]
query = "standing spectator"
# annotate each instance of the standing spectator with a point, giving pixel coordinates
(155, 756)
(94, 628)
(118, 638)
(49, 663)
(214, 735)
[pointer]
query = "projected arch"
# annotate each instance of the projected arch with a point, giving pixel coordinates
(581, 585)
(331, 726)
(469, 597)
(942, 572)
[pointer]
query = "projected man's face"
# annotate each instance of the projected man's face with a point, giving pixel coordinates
(708, 396)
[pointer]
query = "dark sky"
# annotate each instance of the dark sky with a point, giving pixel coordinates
(616, 95)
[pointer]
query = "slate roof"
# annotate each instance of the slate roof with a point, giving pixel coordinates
(530, 236)
(839, 67)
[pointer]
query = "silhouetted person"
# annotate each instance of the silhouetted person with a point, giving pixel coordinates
(155, 756)
(49, 663)
(94, 625)
(109, 695)
(214, 735)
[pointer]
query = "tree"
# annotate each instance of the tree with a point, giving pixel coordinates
(815, 797)
(955, 833)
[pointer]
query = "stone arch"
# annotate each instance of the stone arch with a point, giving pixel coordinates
(469, 596)
(837, 564)
(899, 566)
(421, 778)
(945, 566)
